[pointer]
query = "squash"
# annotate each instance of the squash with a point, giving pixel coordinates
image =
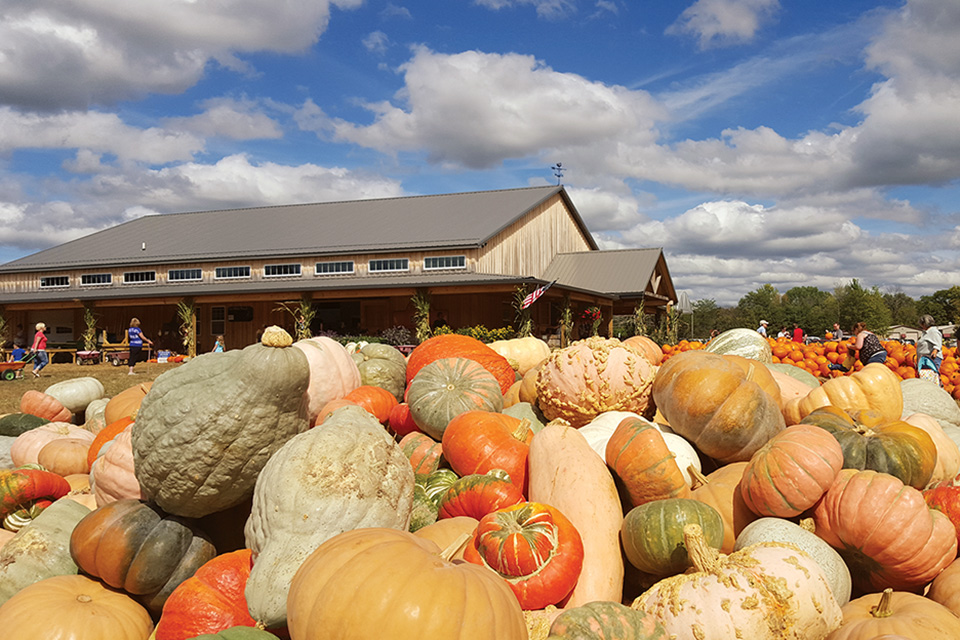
(528, 385)
(766, 591)
(126, 404)
(105, 435)
(76, 607)
(64, 456)
(948, 453)
(873, 387)
(43, 406)
(452, 345)
(238, 633)
(652, 534)
(791, 472)
(26, 448)
(714, 402)
(448, 531)
(94, 418)
(721, 490)
(591, 376)
(424, 511)
(423, 452)
(790, 387)
(779, 530)
(134, 546)
(639, 458)
(447, 387)
(870, 442)
(332, 373)
(945, 588)
(381, 365)
(923, 396)
(562, 473)
(377, 400)
(401, 421)
(746, 343)
(41, 549)
(77, 393)
(884, 531)
(480, 441)
(208, 427)
(365, 481)
(20, 488)
(525, 410)
(13, 424)
(894, 612)
(342, 590)
(522, 353)
(796, 373)
(475, 495)
(605, 621)
(112, 475)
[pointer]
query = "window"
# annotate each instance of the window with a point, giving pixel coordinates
(184, 275)
(239, 314)
(326, 268)
(223, 273)
(393, 264)
(139, 277)
(96, 278)
(218, 317)
(49, 282)
(445, 262)
(280, 270)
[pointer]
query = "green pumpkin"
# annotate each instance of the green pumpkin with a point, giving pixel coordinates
(531, 412)
(447, 387)
(381, 365)
(424, 509)
(13, 424)
(238, 633)
(436, 483)
(795, 372)
(652, 534)
(206, 429)
(742, 342)
(606, 621)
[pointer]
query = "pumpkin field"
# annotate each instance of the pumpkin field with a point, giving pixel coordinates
(606, 490)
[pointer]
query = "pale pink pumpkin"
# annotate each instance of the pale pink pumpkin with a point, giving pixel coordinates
(112, 474)
(333, 373)
(26, 448)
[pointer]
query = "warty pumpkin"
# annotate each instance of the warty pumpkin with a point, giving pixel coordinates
(358, 584)
(650, 348)
(873, 387)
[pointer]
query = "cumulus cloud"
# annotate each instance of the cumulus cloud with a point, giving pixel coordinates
(551, 9)
(228, 118)
(376, 42)
(75, 54)
(724, 22)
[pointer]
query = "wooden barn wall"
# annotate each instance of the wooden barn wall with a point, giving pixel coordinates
(526, 247)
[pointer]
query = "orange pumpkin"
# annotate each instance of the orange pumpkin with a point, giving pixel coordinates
(457, 346)
(638, 455)
(39, 404)
(896, 613)
(480, 441)
(105, 435)
(376, 400)
(126, 403)
(65, 456)
(650, 348)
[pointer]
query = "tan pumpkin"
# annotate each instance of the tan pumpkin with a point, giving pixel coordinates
(873, 387)
(522, 353)
(126, 403)
(446, 531)
(948, 454)
(721, 490)
(65, 456)
(528, 386)
(26, 448)
(896, 612)
(945, 588)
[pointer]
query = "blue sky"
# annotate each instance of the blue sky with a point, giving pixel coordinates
(755, 141)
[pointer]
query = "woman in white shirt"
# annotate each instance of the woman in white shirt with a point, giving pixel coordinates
(929, 350)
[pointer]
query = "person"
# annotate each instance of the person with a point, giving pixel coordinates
(39, 350)
(837, 332)
(867, 345)
(797, 333)
(218, 345)
(136, 339)
(783, 333)
(762, 329)
(439, 322)
(714, 333)
(929, 351)
(18, 352)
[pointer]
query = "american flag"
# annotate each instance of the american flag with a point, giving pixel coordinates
(530, 299)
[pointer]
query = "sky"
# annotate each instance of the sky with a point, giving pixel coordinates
(803, 143)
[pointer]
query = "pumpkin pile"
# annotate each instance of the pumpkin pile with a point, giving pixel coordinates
(609, 489)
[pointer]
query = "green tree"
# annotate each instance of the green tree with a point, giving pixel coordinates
(705, 317)
(857, 304)
(943, 305)
(814, 310)
(762, 304)
(903, 309)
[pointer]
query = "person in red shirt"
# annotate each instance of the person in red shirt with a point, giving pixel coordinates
(797, 333)
(39, 349)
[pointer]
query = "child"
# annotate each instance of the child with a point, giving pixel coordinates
(17, 353)
(218, 345)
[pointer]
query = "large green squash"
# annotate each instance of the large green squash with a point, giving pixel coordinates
(77, 393)
(206, 429)
(447, 387)
(652, 534)
(13, 424)
(382, 366)
(741, 342)
(238, 633)
(41, 549)
(344, 474)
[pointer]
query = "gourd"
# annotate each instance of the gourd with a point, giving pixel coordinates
(717, 403)
(652, 534)
(563, 473)
(591, 376)
(332, 373)
(923, 396)
(26, 448)
(341, 590)
(895, 612)
(44, 406)
(382, 365)
(767, 591)
(742, 342)
(447, 387)
(13, 424)
(452, 345)
(41, 549)
(780, 530)
(884, 531)
(134, 546)
(208, 427)
(522, 353)
(345, 474)
(112, 474)
(605, 621)
(873, 387)
(77, 393)
(75, 607)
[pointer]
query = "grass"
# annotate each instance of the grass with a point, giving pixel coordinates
(114, 379)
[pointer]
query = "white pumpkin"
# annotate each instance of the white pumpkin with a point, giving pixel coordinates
(923, 396)
(77, 393)
(522, 353)
(345, 474)
(95, 415)
(599, 430)
(333, 373)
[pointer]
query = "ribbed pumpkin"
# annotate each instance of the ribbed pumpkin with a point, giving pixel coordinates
(332, 373)
(452, 345)
(715, 403)
(639, 457)
(870, 442)
(208, 427)
(884, 530)
(43, 406)
(948, 453)
(342, 590)
(791, 472)
(76, 393)
(605, 621)
(134, 546)
(591, 376)
(64, 456)
(721, 490)
(652, 534)
(112, 474)
(476, 495)
(873, 387)
(522, 353)
(423, 452)
(126, 403)
(381, 365)
(480, 441)
(377, 400)
(447, 387)
(26, 448)
(894, 612)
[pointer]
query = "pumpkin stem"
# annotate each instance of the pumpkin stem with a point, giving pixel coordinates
(520, 433)
(883, 610)
(455, 546)
(274, 336)
(807, 524)
(699, 479)
(704, 557)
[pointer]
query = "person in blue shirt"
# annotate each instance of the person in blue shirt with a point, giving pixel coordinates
(218, 346)
(17, 354)
(136, 339)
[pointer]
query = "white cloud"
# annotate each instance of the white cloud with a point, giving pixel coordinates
(724, 22)
(228, 118)
(376, 42)
(552, 9)
(74, 54)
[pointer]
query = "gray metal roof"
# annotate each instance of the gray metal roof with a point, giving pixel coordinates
(458, 220)
(618, 273)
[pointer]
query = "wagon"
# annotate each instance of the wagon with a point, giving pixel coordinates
(12, 370)
(117, 358)
(89, 357)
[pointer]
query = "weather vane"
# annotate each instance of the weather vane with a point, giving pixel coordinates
(558, 171)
